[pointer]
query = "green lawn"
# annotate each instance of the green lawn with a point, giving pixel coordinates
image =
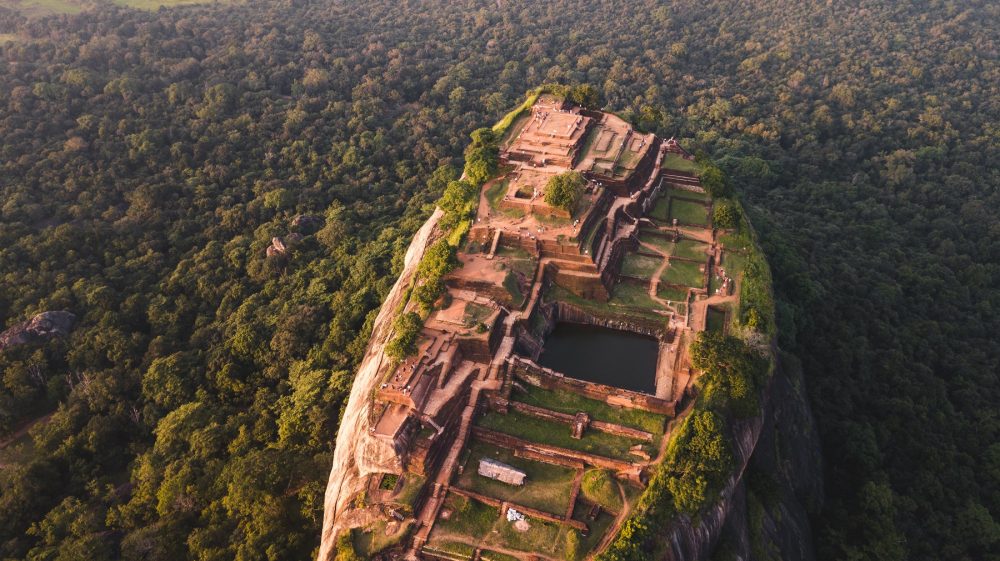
(676, 162)
(672, 293)
(687, 212)
(515, 128)
(599, 486)
(488, 555)
(557, 434)
(685, 194)
(513, 252)
(495, 192)
(659, 242)
(628, 159)
(660, 210)
(451, 550)
(598, 528)
(569, 402)
(626, 299)
(367, 543)
(546, 488)
(542, 537)
(475, 313)
(691, 249)
(683, 273)
(514, 289)
(715, 319)
(468, 518)
(640, 266)
(633, 296)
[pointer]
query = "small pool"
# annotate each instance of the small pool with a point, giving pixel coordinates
(605, 356)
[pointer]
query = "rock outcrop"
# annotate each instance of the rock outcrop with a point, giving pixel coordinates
(42, 327)
(346, 478)
(781, 444)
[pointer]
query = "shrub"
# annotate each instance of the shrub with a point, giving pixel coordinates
(439, 260)
(564, 190)
(727, 214)
(404, 342)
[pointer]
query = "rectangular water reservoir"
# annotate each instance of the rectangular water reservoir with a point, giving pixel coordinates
(606, 356)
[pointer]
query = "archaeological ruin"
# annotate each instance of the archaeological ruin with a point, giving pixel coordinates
(484, 417)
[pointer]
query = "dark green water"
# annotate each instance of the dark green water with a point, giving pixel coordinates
(606, 356)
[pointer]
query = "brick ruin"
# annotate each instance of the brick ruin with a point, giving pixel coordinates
(480, 341)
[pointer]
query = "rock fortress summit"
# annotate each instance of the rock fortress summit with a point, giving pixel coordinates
(525, 410)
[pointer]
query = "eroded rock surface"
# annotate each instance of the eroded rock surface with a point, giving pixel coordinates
(44, 326)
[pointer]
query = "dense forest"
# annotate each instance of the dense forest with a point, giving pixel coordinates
(148, 160)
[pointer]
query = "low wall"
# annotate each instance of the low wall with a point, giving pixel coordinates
(568, 420)
(514, 443)
(535, 375)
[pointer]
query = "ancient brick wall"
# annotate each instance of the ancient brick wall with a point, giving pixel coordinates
(535, 375)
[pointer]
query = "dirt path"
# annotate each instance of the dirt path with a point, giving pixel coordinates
(23, 430)
(499, 549)
(612, 532)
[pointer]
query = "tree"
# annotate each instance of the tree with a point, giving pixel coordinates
(726, 214)
(564, 190)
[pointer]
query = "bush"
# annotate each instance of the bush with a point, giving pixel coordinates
(726, 214)
(458, 202)
(564, 190)
(439, 260)
(404, 342)
(714, 180)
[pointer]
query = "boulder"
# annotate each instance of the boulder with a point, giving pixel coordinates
(42, 327)
(307, 223)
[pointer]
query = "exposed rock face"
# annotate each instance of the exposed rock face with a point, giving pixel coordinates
(277, 247)
(307, 223)
(782, 443)
(346, 475)
(45, 325)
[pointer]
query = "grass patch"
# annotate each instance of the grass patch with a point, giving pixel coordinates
(546, 488)
(688, 212)
(468, 518)
(626, 300)
(628, 159)
(683, 273)
(676, 162)
(640, 266)
(598, 528)
(691, 249)
(451, 550)
(543, 537)
(715, 319)
(372, 540)
(557, 434)
(475, 313)
(632, 296)
(412, 484)
(660, 210)
(685, 194)
(515, 129)
(661, 243)
(571, 403)
(599, 486)
(672, 293)
(514, 289)
(513, 252)
(495, 192)
(489, 555)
